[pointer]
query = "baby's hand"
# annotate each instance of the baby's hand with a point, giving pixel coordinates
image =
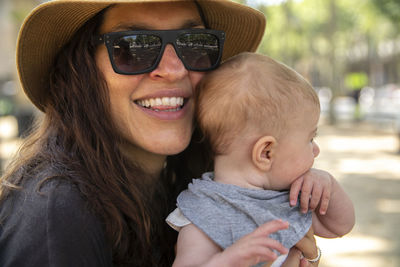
(255, 247)
(315, 186)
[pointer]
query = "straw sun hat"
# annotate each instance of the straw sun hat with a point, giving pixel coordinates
(51, 25)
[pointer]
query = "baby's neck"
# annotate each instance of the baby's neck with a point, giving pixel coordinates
(239, 173)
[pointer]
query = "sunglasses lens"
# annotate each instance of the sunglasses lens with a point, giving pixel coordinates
(140, 52)
(199, 51)
(136, 53)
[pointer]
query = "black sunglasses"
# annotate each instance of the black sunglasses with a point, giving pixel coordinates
(136, 52)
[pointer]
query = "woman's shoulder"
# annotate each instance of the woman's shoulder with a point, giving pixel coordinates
(51, 204)
(54, 218)
(37, 197)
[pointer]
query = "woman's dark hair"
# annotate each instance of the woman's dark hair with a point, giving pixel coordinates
(77, 141)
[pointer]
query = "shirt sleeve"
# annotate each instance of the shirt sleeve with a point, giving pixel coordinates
(52, 228)
(177, 220)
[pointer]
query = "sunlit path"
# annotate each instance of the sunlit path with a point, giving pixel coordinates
(365, 162)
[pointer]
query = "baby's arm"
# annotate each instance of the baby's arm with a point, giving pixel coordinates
(339, 218)
(318, 189)
(195, 248)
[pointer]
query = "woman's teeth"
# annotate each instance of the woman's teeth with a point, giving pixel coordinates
(164, 103)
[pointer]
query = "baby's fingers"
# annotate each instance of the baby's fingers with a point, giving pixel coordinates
(323, 207)
(305, 197)
(271, 227)
(265, 249)
(263, 255)
(294, 190)
(273, 244)
(315, 196)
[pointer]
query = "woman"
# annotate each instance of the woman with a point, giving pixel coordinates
(95, 180)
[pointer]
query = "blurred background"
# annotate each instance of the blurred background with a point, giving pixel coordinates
(350, 52)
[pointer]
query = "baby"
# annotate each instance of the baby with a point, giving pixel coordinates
(260, 118)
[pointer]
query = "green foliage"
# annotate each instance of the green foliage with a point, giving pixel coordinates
(356, 80)
(389, 8)
(322, 38)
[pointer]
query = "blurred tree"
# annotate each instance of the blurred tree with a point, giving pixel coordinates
(325, 39)
(389, 8)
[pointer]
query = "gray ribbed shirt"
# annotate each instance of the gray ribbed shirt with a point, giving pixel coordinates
(227, 212)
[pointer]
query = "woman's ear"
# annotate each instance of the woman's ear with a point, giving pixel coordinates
(262, 152)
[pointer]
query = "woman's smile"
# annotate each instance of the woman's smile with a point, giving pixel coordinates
(169, 104)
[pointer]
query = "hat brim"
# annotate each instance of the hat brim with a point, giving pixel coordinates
(51, 25)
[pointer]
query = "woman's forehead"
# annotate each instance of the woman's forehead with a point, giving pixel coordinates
(151, 16)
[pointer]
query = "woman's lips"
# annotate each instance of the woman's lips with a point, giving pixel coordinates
(164, 108)
(169, 104)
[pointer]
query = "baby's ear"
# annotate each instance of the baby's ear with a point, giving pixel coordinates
(262, 152)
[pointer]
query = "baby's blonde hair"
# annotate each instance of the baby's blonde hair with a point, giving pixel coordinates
(250, 90)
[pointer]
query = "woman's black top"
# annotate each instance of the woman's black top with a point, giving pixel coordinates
(52, 227)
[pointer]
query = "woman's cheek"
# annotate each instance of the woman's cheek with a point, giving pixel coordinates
(195, 78)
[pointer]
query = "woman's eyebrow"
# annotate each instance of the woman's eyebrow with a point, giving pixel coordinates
(127, 27)
(192, 24)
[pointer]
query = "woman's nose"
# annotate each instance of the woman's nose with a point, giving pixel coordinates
(170, 66)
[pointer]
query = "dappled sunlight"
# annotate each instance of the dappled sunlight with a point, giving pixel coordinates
(352, 153)
(360, 144)
(366, 166)
(7, 151)
(365, 161)
(9, 148)
(389, 205)
(354, 250)
(340, 248)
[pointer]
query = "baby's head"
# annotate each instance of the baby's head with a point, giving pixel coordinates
(252, 94)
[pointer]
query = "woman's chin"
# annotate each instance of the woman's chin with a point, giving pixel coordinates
(171, 148)
(169, 143)
(162, 141)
